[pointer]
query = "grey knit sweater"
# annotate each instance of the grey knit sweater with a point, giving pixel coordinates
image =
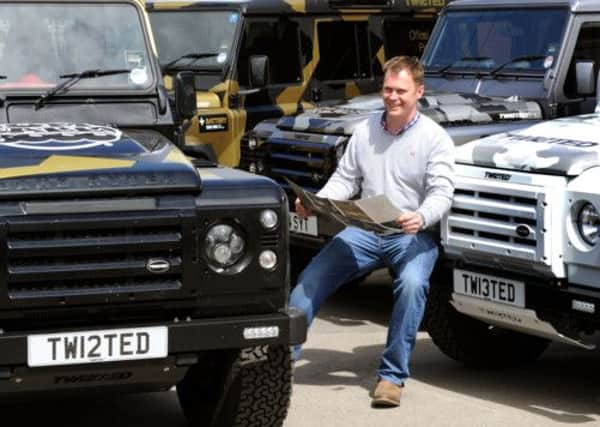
(415, 169)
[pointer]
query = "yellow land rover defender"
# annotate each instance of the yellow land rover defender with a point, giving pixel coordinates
(260, 59)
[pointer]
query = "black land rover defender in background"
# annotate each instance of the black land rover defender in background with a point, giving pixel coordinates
(123, 266)
(261, 59)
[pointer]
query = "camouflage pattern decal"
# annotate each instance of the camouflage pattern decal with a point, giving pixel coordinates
(446, 109)
(354, 18)
(207, 100)
(206, 174)
(381, 55)
(176, 156)
(297, 5)
(339, 119)
(63, 164)
(290, 96)
(78, 150)
(565, 146)
(215, 102)
(352, 90)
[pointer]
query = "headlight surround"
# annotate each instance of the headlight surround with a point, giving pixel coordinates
(225, 247)
(268, 259)
(588, 223)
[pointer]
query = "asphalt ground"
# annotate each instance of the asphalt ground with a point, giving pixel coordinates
(339, 362)
(337, 371)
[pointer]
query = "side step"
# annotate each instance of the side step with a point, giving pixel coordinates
(515, 318)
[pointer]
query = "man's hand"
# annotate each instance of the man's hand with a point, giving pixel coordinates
(411, 222)
(301, 210)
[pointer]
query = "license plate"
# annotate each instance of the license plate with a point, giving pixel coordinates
(110, 345)
(492, 288)
(303, 225)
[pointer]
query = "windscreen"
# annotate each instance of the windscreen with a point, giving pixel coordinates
(42, 41)
(483, 40)
(179, 33)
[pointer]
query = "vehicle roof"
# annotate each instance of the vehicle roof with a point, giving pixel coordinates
(574, 5)
(301, 6)
(137, 2)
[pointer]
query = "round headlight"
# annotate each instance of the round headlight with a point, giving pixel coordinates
(269, 219)
(252, 142)
(267, 259)
(224, 246)
(588, 222)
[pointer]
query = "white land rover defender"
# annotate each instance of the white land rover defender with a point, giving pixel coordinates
(523, 240)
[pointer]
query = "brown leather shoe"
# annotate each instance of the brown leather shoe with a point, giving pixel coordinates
(386, 394)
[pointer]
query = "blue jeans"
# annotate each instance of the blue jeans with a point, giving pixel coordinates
(355, 252)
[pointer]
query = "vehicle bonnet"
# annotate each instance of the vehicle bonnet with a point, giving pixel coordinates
(565, 146)
(59, 159)
(447, 109)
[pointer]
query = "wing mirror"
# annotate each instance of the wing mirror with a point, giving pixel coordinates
(185, 95)
(586, 77)
(259, 71)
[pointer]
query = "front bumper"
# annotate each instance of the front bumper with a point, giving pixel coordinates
(549, 310)
(514, 318)
(190, 335)
(190, 342)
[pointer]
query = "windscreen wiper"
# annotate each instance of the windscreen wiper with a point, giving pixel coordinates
(2, 99)
(72, 79)
(195, 56)
(445, 68)
(528, 58)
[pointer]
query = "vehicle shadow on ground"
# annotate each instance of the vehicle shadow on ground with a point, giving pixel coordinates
(127, 410)
(337, 368)
(562, 386)
(369, 301)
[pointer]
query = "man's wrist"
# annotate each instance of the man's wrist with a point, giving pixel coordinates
(423, 222)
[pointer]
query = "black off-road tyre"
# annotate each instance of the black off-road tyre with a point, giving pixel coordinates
(472, 342)
(251, 388)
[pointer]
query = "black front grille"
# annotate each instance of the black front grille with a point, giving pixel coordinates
(269, 239)
(308, 164)
(105, 255)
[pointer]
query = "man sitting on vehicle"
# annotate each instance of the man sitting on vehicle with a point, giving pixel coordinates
(410, 159)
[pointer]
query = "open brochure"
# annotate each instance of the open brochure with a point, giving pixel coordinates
(375, 213)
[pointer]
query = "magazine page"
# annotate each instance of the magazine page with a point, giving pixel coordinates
(376, 214)
(379, 208)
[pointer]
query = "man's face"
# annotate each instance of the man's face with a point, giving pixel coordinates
(401, 94)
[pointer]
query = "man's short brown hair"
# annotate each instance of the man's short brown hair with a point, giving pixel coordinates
(408, 63)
